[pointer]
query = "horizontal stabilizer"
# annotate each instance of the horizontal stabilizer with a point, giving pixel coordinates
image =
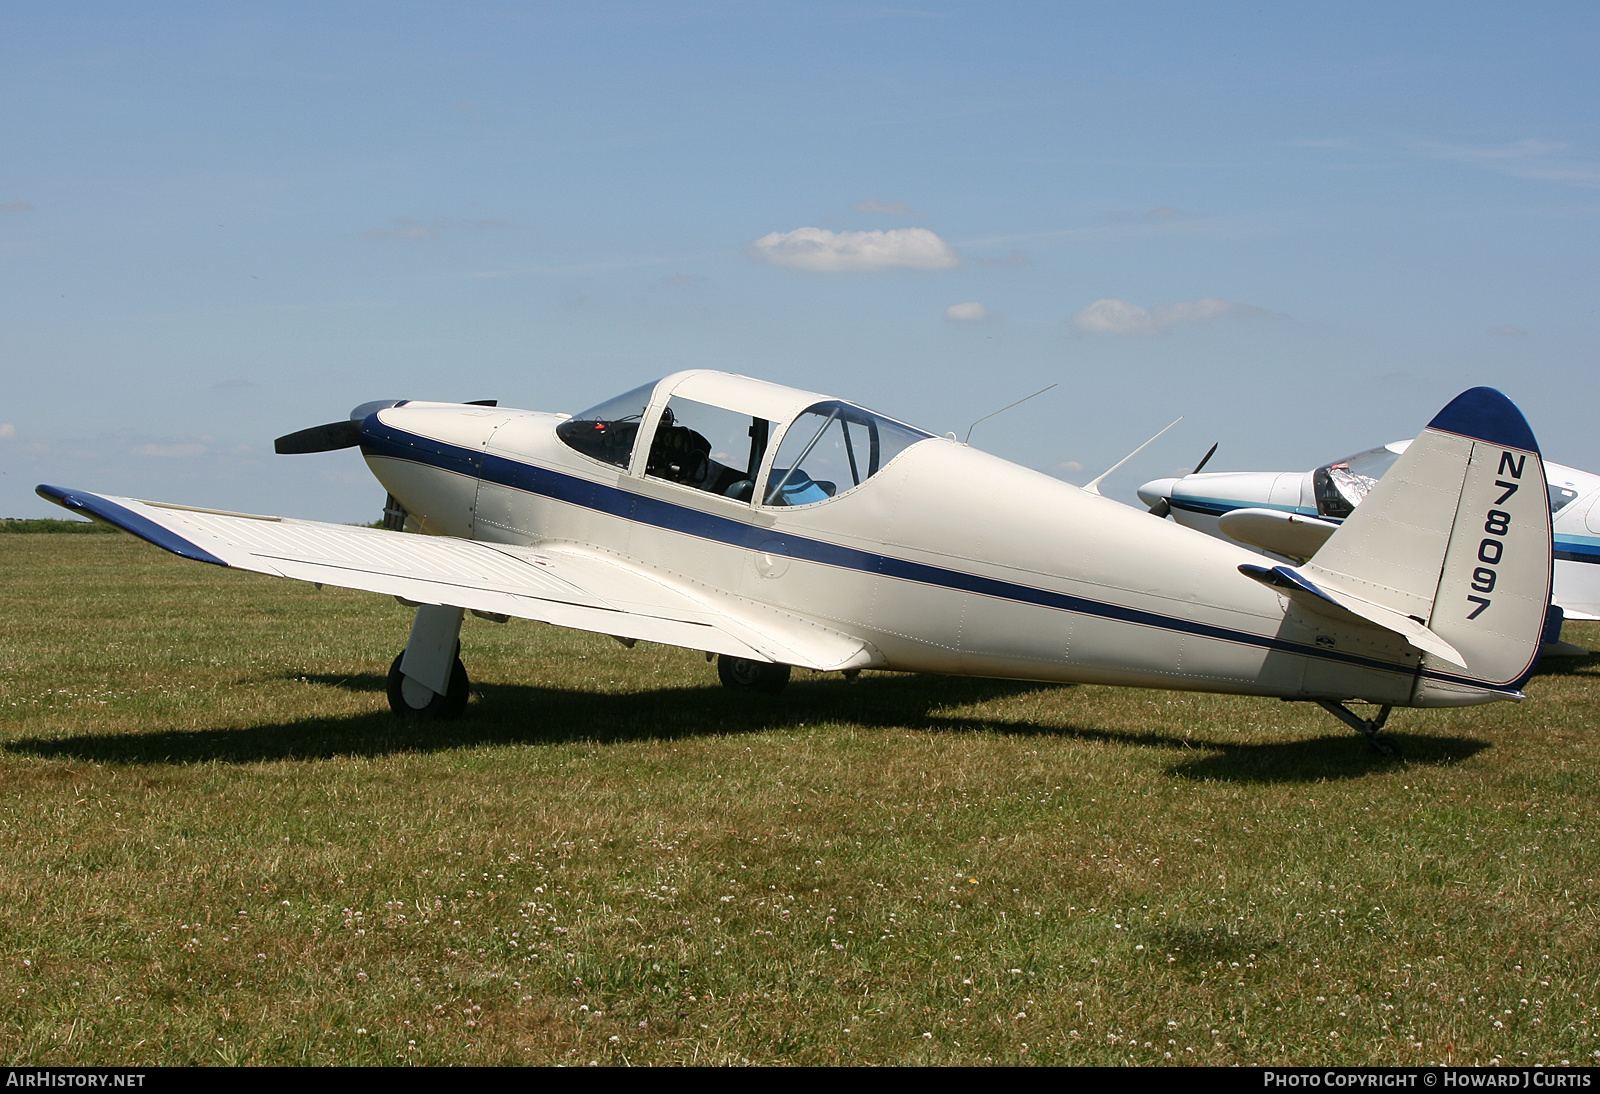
(1320, 595)
(1287, 534)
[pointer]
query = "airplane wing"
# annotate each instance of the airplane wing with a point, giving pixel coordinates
(564, 585)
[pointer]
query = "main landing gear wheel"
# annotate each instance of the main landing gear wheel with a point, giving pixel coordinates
(409, 699)
(742, 674)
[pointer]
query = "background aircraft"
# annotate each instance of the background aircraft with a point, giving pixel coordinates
(1291, 513)
(777, 527)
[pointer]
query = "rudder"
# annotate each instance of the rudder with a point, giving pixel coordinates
(1494, 591)
(1457, 536)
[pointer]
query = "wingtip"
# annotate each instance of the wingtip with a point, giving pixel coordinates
(120, 516)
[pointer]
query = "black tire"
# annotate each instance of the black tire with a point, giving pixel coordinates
(1387, 747)
(743, 674)
(440, 707)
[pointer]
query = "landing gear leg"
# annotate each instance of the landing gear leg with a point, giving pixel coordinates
(1367, 727)
(428, 680)
(742, 674)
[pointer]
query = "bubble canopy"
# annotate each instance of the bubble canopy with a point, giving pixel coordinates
(714, 432)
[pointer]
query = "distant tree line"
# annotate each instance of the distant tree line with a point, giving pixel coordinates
(71, 527)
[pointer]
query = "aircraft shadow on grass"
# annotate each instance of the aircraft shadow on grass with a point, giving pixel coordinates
(1587, 665)
(513, 714)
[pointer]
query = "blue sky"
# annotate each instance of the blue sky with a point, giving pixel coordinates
(1304, 227)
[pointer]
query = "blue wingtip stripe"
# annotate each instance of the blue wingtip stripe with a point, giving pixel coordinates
(121, 516)
(1486, 415)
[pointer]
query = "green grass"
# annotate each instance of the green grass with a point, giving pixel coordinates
(218, 847)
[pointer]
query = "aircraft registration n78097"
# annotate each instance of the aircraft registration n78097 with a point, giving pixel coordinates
(777, 527)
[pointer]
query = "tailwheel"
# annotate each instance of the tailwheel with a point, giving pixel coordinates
(409, 699)
(1386, 747)
(743, 674)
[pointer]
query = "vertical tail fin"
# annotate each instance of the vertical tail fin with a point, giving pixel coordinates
(1457, 536)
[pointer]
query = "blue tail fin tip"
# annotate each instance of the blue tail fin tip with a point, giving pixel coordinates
(1486, 415)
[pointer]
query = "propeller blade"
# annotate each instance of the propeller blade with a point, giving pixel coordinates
(1163, 507)
(319, 438)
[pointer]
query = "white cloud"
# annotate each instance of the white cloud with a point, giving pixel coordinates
(1518, 150)
(1528, 159)
(1068, 471)
(888, 208)
(1122, 318)
(970, 312)
(818, 250)
(8, 431)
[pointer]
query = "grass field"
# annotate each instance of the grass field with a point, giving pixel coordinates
(216, 846)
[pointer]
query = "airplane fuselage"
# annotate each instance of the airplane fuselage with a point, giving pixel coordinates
(948, 560)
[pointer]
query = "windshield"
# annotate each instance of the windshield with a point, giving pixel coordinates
(1373, 464)
(606, 432)
(1341, 486)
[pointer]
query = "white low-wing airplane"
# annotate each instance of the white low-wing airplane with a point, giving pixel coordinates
(780, 528)
(1291, 513)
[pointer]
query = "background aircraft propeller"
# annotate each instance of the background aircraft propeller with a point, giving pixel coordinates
(1164, 506)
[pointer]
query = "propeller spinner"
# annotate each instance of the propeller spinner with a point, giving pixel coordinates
(1163, 505)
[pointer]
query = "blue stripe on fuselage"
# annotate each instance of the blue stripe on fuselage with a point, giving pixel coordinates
(385, 441)
(1578, 549)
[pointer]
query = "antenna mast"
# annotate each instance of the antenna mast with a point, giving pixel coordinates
(1002, 410)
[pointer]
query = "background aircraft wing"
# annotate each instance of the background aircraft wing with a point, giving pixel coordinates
(565, 585)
